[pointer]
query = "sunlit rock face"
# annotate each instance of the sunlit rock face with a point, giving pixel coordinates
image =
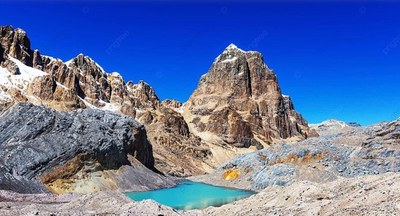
(239, 100)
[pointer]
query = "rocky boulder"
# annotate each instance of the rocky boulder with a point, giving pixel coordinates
(42, 149)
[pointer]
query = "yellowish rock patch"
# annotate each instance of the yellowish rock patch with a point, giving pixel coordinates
(230, 175)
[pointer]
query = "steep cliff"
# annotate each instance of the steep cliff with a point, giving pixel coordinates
(240, 101)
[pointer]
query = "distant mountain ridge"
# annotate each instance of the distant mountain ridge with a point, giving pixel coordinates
(333, 127)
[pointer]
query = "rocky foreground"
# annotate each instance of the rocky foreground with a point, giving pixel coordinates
(344, 151)
(351, 170)
(364, 195)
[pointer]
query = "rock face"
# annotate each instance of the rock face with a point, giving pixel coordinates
(16, 44)
(239, 99)
(178, 152)
(40, 146)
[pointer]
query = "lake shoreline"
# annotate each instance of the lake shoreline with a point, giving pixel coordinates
(378, 196)
(188, 195)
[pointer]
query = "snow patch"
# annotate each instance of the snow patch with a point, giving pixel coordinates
(180, 109)
(118, 78)
(101, 68)
(52, 58)
(229, 49)
(19, 30)
(229, 60)
(27, 72)
(116, 74)
(63, 86)
(292, 119)
(87, 103)
(22, 80)
(4, 97)
(110, 106)
(107, 106)
(332, 123)
(233, 47)
(68, 62)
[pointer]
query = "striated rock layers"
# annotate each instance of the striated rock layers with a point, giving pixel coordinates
(82, 151)
(240, 101)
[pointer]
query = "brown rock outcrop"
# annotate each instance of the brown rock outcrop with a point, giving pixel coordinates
(173, 104)
(239, 99)
(177, 151)
(43, 87)
(16, 44)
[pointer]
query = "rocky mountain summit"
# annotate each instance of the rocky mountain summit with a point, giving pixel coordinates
(238, 102)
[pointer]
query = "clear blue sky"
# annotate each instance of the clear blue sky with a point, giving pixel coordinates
(336, 60)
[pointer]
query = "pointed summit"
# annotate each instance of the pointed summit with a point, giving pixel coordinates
(233, 47)
(231, 53)
(85, 63)
(239, 88)
(15, 43)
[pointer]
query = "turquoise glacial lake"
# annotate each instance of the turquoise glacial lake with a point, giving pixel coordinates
(192, 195)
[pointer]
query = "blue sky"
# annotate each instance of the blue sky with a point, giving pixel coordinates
(335, 59)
